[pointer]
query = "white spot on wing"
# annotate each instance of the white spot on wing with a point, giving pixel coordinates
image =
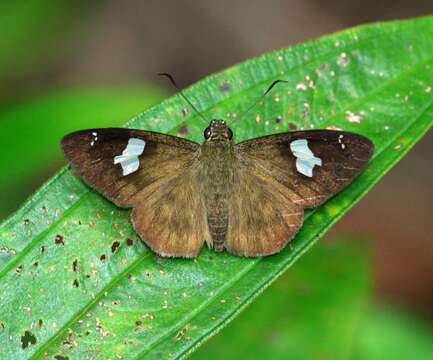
(129, 158)
(94, 139)
(340, 141)
(305, 159)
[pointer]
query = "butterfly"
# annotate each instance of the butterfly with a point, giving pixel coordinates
(247, 198)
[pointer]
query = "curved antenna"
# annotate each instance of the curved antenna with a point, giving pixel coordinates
(261, 97)
(169, 77)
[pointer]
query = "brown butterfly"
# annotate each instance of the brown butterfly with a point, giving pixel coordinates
(248, 198)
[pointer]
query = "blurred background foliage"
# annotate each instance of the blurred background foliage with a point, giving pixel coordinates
(67, 65)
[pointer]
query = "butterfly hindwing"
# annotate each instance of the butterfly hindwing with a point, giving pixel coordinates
(173, 222)
(161, 187)
(261, 216)
(271, 190)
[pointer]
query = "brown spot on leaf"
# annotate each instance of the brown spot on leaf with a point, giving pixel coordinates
(61, 357)
(27, 339)
(103, 257)
(59, 240)
(224, 87)
(19, 269)
(74, 265)
(129, 242)
(292, 126)
(183, 130)
(138, 325)
(75, 283)
(115, 246)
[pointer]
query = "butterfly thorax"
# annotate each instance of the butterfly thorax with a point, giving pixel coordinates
(218, 161)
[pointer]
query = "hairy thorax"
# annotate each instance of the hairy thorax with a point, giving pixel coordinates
(218, 161)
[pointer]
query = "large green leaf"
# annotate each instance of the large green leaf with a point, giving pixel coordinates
(311, 312)
(57, 292)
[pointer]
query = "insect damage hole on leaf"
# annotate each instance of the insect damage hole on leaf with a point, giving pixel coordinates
(115, 246)
(61, 357)
(74, 265)
(59, 240)
(27, 339)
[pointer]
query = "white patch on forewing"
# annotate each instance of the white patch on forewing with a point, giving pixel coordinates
(94, 139)
(340, 141)
(305, 159)
(129, 158)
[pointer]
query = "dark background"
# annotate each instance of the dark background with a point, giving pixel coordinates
(113, 42)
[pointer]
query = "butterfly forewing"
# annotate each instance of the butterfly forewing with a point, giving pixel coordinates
(343, 155)
(162, 190)
(91, 154)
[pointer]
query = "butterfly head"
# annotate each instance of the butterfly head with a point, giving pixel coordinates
(218, 130)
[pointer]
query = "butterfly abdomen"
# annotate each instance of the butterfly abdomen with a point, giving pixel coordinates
(217, 220)
(217, 179)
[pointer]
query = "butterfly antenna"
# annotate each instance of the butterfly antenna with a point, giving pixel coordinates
(262, 97)
(171, 79)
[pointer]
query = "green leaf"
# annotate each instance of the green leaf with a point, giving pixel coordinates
(313, 311)
(134, 304)
(31, 131)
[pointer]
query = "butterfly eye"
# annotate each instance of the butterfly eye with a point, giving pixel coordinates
(207, 133)
(230, 132)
